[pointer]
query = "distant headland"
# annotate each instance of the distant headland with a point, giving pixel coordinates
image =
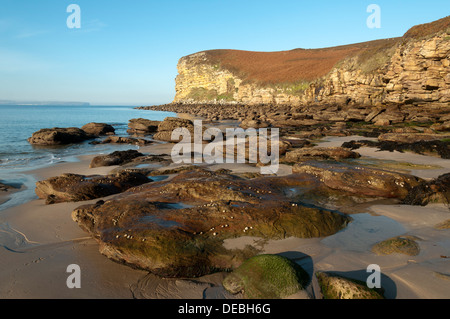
(12, 102)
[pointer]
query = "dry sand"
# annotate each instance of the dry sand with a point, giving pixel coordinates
(38, 242)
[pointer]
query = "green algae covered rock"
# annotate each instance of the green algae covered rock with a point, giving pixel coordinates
(266, 277)
(400, 245)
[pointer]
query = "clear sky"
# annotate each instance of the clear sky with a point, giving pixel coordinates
(126, 52)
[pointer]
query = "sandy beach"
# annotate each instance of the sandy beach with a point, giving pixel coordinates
(39, 241)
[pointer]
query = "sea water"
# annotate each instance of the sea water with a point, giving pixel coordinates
(19, 122)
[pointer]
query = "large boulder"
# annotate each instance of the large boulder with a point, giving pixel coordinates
(115, 158)
(267, 277)
(142, 126)
(74, 187)
(98, 129)
(177, 228)
(333, 153)
(359, 179)
(59, 136)
(166, 127)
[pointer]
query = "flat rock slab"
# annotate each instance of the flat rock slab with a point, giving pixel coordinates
(115, 158)
(412, 137)
(176, 228)
(123, 140)
(333, 153)
(74, 188)
(360, 180)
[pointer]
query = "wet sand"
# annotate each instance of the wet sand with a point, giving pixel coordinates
(442, 165)
(38, 242)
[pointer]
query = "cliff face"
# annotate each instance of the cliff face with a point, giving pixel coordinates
(409, 70)
(417, 72)
(198, 79)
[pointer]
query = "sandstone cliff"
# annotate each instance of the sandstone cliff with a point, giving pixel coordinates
(413, 69)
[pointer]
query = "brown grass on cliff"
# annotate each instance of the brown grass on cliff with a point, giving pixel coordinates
(424, 30)
(306, 65)
(289, 66)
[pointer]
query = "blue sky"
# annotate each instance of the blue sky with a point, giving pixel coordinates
(125, 52)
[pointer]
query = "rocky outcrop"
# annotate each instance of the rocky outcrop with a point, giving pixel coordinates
(167, 127)
(74, 187)
(98, 129)
(199, 80)
(412, 70)
(176, 228)
(142, 126)
(417, 73)
(59, 136)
